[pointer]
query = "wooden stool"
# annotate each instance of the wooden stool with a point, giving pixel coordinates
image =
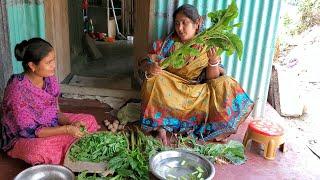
(267, 133)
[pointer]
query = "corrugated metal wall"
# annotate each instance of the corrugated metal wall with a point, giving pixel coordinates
(25, 20)
(260, 23)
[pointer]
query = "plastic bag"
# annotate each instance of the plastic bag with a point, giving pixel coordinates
(129, 113)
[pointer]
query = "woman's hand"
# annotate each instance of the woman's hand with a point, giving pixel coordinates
(213, 69)
(154, 69)
(73, 131)
(62, 118)
(213, 56)
(78, 124)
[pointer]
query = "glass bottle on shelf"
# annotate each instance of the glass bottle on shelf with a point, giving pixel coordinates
(90, 28)
(85, 25)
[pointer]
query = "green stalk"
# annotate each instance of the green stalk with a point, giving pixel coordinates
(132, 140)
(127, 139)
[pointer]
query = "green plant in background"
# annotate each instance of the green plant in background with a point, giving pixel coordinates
(287, 20)
(309, 15)
(218, 35)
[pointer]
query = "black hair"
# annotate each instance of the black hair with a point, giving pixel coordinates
(188, 10)
(32, 50)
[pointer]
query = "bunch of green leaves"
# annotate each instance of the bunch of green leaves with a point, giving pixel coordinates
(127, 154)
(219, 35)
(98, 147)
(130, 165)
(134, 162)
(84, 176)
(148, 144)
(233, 151)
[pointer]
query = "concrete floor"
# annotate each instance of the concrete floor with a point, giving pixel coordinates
(114, 69)
(297, 163)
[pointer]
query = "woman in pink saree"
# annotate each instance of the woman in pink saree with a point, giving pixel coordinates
(33, 128)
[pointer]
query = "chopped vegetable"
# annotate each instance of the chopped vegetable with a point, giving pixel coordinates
(183, 162)
(183, 178)
(199, 169)
(83, 129)
(171, 176)
(194, 173)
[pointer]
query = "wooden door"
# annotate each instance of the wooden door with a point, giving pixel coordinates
(142, 34)
(57, 32)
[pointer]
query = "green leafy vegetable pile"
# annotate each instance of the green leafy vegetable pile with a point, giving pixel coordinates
(219, 35)
(127, 154)
(233, 151)
(98, 147)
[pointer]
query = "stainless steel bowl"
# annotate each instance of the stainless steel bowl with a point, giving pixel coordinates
(181, 164)
(46, 172)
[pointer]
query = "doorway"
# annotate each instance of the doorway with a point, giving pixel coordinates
(111, 73)
(106, 57)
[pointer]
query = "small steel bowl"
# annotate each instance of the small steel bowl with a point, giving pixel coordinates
(46, 172)
(180, 164)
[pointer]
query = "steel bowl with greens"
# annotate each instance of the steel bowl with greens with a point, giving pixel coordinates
(181, 164)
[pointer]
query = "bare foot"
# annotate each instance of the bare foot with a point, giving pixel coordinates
(162, 134)
(222, 138)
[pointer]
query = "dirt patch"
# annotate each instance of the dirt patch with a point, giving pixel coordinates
(301, 56)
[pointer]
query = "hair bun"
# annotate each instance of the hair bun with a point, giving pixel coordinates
(20, 50)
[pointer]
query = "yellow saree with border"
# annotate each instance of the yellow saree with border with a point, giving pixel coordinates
(176, 102)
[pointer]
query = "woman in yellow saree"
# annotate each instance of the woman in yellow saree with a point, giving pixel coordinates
(196, 99)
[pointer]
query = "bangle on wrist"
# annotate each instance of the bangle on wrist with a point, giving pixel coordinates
(148, 60)
(146, 75)
(67, 129)
(213, 65)
(148, 64)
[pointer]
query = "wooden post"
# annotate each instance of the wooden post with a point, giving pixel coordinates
(57, 33)
(142, 32)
